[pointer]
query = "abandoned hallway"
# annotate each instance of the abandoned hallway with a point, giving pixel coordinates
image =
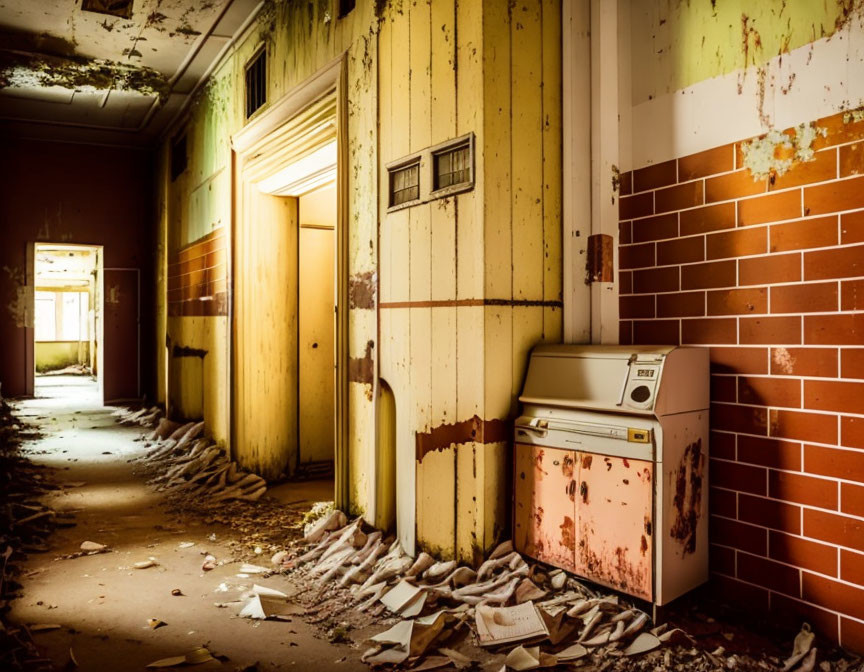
(432, 334)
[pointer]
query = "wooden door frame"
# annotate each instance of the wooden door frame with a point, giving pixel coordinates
(332, 76)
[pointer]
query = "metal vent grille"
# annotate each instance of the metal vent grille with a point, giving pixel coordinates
(121, 8)
(256, 83)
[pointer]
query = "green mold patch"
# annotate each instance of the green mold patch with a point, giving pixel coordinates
(854, 116)
(79, 74)
(776, 152)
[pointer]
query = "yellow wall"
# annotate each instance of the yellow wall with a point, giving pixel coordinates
(475, 277)
(468, 283)
(52, 355)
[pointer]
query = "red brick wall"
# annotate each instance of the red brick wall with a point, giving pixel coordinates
(769, 274)
(197, 278)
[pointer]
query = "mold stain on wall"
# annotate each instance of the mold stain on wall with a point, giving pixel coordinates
(17, 307)
(775, 153)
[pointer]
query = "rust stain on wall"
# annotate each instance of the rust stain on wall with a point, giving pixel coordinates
(599, 260)
(362, 369)
(473, 430)
(186, 351)
(567, 465)
(586, 461)
(568, 533)
(362, 288)
(688, 496)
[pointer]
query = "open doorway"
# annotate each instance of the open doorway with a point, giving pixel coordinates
(67, 347)
(306, 185)
(316, 338)
(288, 340)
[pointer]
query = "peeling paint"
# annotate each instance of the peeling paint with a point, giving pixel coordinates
(783, 359)
(19, 71)
(362, 369)
(688, 496)
(776, 152)
(362, 288)
(599, 261)
(853, 116)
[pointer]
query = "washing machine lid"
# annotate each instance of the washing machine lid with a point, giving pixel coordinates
(618, 379)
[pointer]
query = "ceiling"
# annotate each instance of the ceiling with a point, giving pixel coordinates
(64, 266)
(117, 72)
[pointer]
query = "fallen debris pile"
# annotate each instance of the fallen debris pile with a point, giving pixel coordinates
(25, 525)
(184, 461)
(539, 617)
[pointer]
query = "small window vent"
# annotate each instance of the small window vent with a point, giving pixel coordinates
(121, 8)
(179, 157)
(440, 171)
(345, 7)
(453, 166)
(256, 83)
(404, 184)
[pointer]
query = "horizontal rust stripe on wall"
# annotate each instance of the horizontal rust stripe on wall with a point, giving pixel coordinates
(461, 303)
(473, 430)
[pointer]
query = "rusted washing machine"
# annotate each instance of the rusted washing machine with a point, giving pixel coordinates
(611, 466)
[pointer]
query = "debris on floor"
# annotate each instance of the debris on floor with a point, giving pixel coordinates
(535, 616)
(428, 614)
(194, 657)
(25, 525)
(185, 461)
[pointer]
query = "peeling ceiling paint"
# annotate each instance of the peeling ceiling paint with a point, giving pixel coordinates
(116, 72)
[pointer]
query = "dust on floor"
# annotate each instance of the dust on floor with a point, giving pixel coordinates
(101, 601)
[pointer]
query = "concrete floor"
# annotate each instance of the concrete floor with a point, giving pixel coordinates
(102, 602)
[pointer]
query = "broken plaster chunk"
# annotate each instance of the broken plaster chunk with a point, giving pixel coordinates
(253, 569)
(145, 564)
(92, 547)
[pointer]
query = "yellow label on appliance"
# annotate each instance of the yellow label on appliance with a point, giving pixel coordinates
(638, 435)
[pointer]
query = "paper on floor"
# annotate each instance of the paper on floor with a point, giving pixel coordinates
(500, 625)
